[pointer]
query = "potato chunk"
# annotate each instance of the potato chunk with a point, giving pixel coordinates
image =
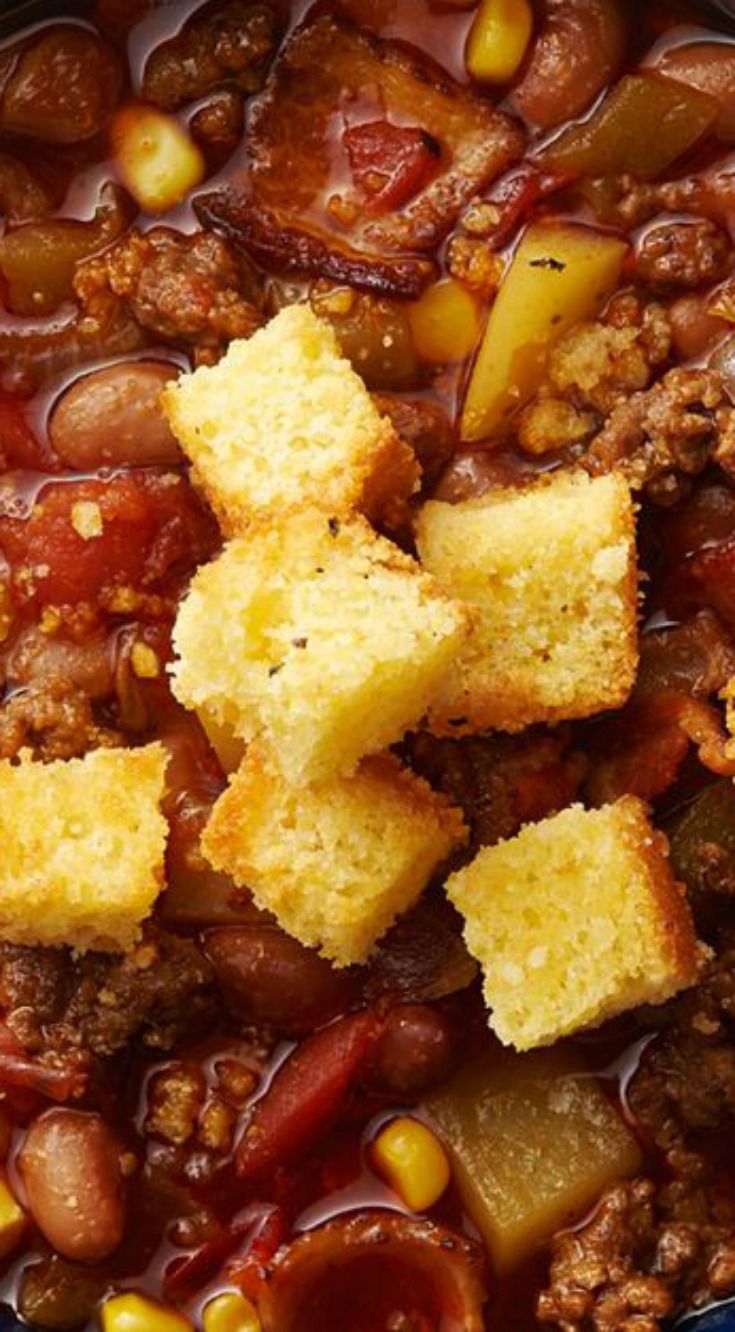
(560, 275)
(534, 1143)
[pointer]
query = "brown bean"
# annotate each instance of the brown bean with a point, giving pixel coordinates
(416, 1050)
(268, 977)
(63, 87)
(113, 416)
(693, 328)
(71, 1167)
(709, 66)
(578, 50)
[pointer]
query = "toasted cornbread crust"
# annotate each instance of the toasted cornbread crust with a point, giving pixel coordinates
(574, 920)
(83, 845)
(335, 862)
(551, 573)
(318, 635)
(283, 421)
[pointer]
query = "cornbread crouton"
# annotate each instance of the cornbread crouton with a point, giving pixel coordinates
(317, 634)
(337, 861)
(574, 920)
(283, 421)
(83, 844)
(551, 571)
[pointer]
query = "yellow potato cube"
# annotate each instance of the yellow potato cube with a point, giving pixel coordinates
(533, 1143)
(560, 275)
(498, 39)
(157, 160)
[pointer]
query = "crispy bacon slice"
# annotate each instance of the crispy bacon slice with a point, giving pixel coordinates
(299, 208)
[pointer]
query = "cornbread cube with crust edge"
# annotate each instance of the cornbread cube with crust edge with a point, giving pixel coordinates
(318, 635)
(336, 861)
(83, 845)
(284, 421)
(551, 573)
(574, 920)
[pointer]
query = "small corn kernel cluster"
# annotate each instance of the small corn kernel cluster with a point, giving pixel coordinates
(130, 1312)
(157, 160)
(498, 39)
(413, 1162)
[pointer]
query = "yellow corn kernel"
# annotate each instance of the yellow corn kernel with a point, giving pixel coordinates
(157, 160)
(230, 1312)
(445, 323)
(135, 1313)
(412, 1160)
(498, 39)
(12, 1221)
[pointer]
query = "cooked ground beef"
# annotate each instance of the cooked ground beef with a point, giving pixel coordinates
(54, 720)
(667, 432)
(190, 289)
(232, 43)
(425, 426)
(501, 782)
(683, 254)
(655, 1248)
(57, 1005)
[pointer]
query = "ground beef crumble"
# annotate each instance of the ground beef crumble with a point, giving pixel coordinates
(190, 289)
(656, 1247)
(683, 254)
(59, 1006)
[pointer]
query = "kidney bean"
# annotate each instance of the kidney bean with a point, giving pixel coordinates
(63, 88)
(709, 66)
(71, 1167)
(268, 977)
(113, 416)
(416, 1050)
(578, 50)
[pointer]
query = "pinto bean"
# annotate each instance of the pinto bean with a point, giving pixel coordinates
(71, 1168)
(578, 50)
(709, 66)
(695, 331)
(416, 1050)
(268, 977)
(113, 416)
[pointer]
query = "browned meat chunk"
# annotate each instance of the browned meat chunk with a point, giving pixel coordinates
(58, 1006)
(683, 254)
(418, 151)
(54, 720)
(231, 43)
(501, 782)
(669, 430)
(425, 427)
(180, 288)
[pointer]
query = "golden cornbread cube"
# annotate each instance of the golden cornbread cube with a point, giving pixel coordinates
(284, 421)
(575, 919)
(551, 573)
(320, 636)
(83, 844)
(335, 861)
(534, 1141)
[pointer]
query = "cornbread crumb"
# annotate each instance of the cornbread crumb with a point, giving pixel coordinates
(551, 572)
(86, 519)
(338, 861)
(574, 920)
(284, 421)
(83, 844)
(320, 636)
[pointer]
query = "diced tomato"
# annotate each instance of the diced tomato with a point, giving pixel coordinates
(22, 1072)
(84, 538)
(18, 444)
(390, 163)
(516, 195)
(307, 1094)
